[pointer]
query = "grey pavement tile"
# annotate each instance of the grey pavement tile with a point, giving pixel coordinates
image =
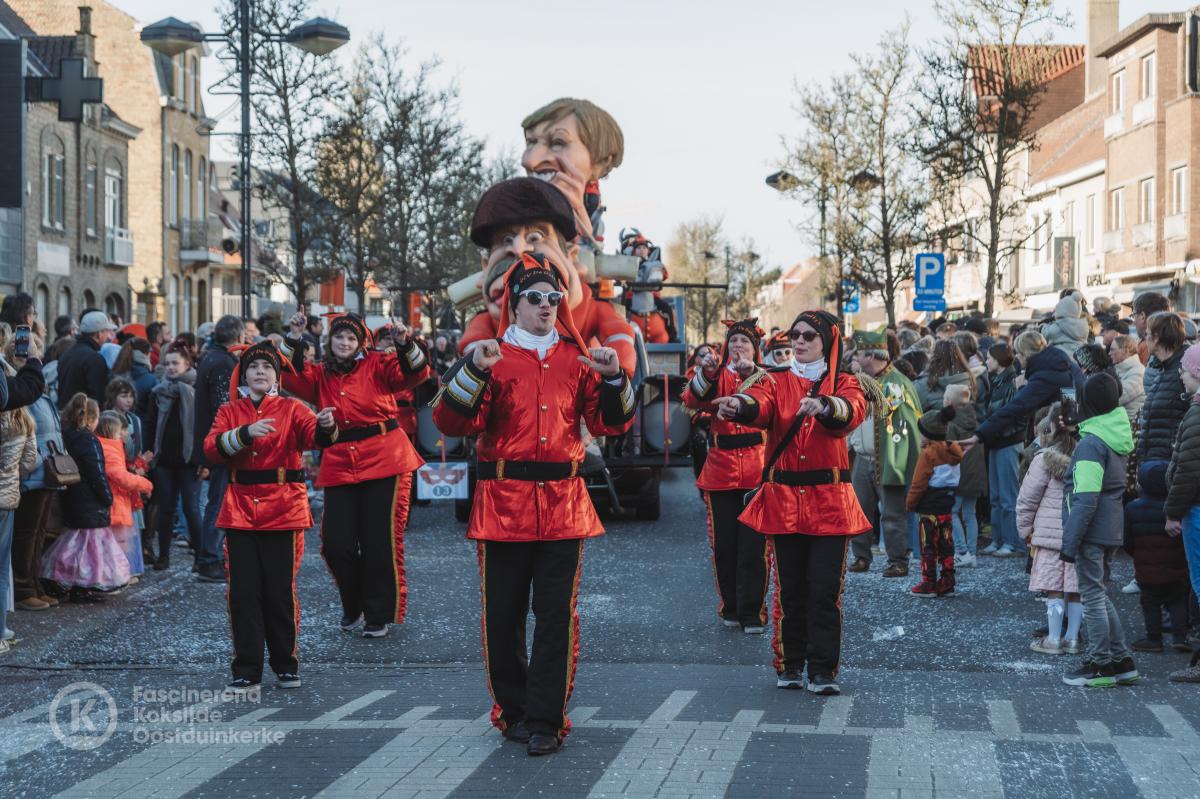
(1049, 770)
(807, 764)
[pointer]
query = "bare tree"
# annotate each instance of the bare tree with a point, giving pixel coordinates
(351, 175)
(980, 95)
(292, 95)
(693, 256)
(893, 220)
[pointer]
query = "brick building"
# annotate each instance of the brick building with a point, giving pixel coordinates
(76, 247)
(169, 165)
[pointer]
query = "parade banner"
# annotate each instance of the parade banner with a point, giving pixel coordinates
(443, 481)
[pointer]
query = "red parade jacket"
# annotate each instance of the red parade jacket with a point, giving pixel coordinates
(525, 410)
(365, 397)
(725, 469)
(596, 320)
(281, 505)
(819, 445)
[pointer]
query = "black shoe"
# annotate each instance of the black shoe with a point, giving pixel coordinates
(374, 630)
(518, 732)
(896, 570)
(1147, 645)
(241, 685)
(1125, 672)
(823, 685)
(162, 563)
(351, 623)
(859, 565)
(288, 680)
(789, 678)
(1179, 644)
(211, 574)
(541, 744)
(1092, 675)
(82, 596)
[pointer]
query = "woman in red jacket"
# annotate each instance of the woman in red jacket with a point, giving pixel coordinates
(262, 438)
(733, 467)
(524, 397)
(367, 474)
(806, 506)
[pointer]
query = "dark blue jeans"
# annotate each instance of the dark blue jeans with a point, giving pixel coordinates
(173, 485)
(211, 536)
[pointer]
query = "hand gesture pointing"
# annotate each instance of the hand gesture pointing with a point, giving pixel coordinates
(486, 354)
(603, 360)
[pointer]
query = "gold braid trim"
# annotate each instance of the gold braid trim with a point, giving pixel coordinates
(752, 380)
(872, 390)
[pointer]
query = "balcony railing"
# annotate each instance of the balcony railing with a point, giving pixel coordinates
(1143, 234)
(1144, 110)
(1113, 240)
(118, 247)
(1175, 227)
(200, 239)
(1114, 124)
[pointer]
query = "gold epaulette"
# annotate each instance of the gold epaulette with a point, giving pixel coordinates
(752, 380)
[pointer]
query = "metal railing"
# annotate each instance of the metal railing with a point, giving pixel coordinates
(200, 234)
(118, 247)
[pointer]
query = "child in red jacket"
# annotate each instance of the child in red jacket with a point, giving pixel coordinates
(262, 437)
(126, 486)
(932, 496)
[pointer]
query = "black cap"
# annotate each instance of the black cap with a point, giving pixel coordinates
(520, 201)
(1101, 394)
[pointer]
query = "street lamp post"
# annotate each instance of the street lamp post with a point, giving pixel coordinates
(318, 36)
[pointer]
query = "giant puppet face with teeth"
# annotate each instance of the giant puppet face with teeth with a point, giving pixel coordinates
(511, 242)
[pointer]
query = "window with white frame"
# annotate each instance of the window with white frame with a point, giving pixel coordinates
(194, 107)
(114, 196)
(1090, 226)
(187, 184)
(1179, 190)
(173, 191)
(1146, 201)
(1047, 238)
(1146, 85)
(1117, 92)
(1116, 209)
(90, 194)
(54, 199)
(202, 188)
(1068, 218)
(189, 100)
(177, 76)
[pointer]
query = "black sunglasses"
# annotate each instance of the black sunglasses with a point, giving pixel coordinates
(535, 297)
(808, 335)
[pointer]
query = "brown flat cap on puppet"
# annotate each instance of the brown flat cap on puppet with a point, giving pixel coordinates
(519, 201)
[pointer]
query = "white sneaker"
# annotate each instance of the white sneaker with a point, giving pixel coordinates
(990, 549)
(1131, 587)
(1070, 646)
(1005, 552)
(1047, 646)
(965, 560)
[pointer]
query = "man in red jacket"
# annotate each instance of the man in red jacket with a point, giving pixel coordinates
(524, 396)
(262, 438)
(733, 467)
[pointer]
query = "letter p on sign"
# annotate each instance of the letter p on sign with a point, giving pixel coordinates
(931, 274)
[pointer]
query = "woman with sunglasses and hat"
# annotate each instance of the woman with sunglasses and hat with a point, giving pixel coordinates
(525, 397)
(367, 475)
(806, 507)
(262, 438)
(734, 466)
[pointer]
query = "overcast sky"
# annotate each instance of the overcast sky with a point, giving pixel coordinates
(703, 89)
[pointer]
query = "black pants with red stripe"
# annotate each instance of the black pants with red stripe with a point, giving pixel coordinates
(362, 541)
(809, 575)
(261, 598)
(739, 559)
(535, 689)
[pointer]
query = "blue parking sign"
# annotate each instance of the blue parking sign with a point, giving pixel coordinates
(930, 276)
(851, 302)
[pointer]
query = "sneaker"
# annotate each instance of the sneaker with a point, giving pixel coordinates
(877, 550)
(1125, 671)
(241, 685)
(896, 570)
(790, 678)
(990, 549)
(823, 685)
(730, 622)
(1180, 644)
(1147, 645)
(1047, 645)
(1132, 587)
(374, 630)
(1005, 552)
(211, 574)
(288, 680)
(33, 603)
(1071, 647)
(1092, 675)
(134, 580)
(7, 635)
(925, 590)
(965, 560)
(5, 648)
(753, 629)
(1189, 674)
(859, 565)
(349, 624)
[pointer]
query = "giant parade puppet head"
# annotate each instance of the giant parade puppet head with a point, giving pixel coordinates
(572, 144)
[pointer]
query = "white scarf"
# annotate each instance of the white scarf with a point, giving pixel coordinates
(529, 341)
(809, 371)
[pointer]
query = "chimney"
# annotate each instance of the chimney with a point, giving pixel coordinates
(1102, 24)
(85, 40)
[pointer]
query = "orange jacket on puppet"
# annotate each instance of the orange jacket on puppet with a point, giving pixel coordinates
(527, 410)
(364, 400)
(822, 502)
(735, 459)
(126, 486)
(282, 503)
